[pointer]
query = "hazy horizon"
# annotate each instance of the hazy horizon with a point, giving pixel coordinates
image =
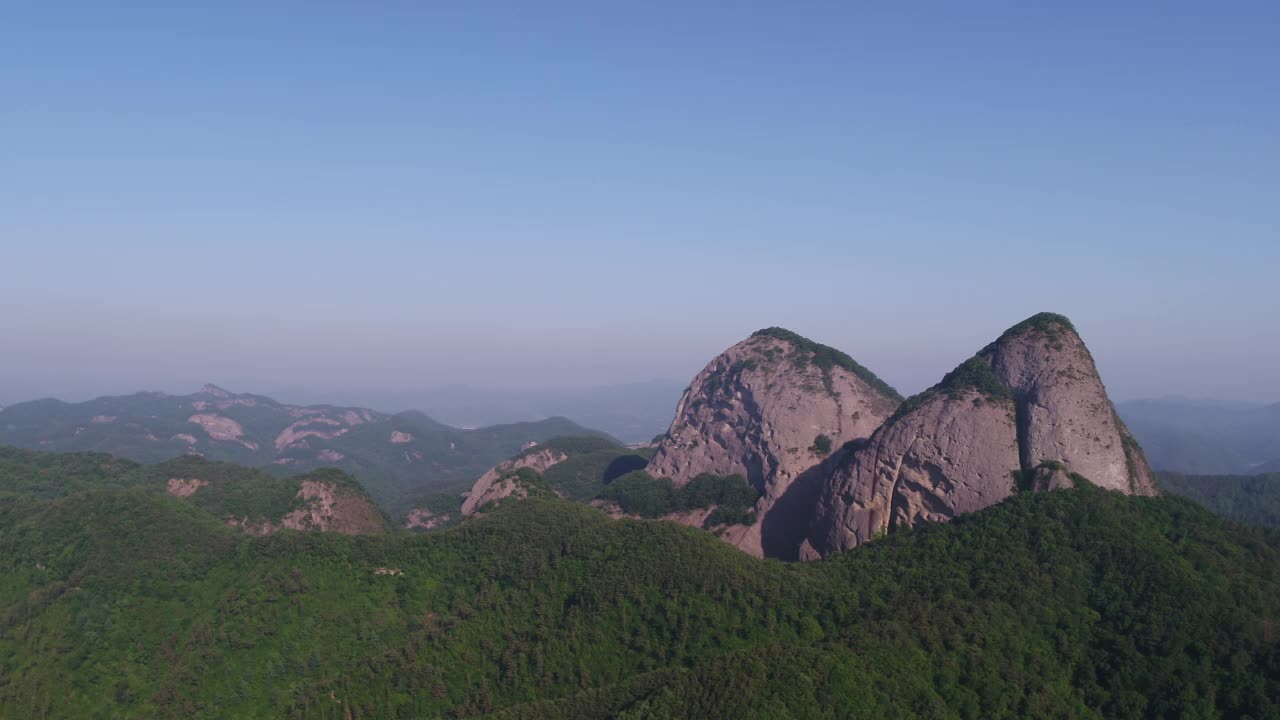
(346, 197)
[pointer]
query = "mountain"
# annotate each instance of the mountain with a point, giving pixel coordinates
(1074, 604)
(573, 467)
(1196, 437)
(773, 409)
(631, 412)
(1248, 499)
(240, 497)
(399, 458)
(1268, 468)
(1027, 412)
(504, 479)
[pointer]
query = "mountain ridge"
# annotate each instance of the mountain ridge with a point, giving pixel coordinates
(772, 408)
(1027, 412)
(399, 457)
(1206, 438)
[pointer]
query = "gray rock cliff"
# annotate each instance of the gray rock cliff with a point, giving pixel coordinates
(497, 484)
(1028, 412)
(773, 408)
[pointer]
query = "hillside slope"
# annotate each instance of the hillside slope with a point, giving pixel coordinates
(398, 458)
(1079, 603)
(573, 467)
(245, 498)
(1249, 499)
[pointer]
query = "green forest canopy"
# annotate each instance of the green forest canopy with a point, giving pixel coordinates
(1077, 603)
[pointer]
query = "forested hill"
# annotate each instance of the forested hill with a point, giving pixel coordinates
(398, 458)
(1077, 603)
(1248, 499)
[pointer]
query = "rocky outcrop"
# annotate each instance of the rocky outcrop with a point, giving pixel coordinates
(184, 487)
(325, 428)
(774, 408)
(327, 507)
(324, 507)
(220, 427)
(1028, 412)
(425, 519)
(499, 481)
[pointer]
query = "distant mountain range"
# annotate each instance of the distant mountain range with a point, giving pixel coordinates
(1205, 438)
(631, 412)
(400, 458)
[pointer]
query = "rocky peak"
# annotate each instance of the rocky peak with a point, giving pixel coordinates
(214, 391)
(324, 500)
(502, 480)
(1028, 412)
(1064, 414)
(773, 408)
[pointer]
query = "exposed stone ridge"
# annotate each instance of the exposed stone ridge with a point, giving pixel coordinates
(496, 484)
(772, 408)
(1028, 412)
(224, 428)
(425, 519)
(214, 391)
(184, 487)
(1064, 414)
(325, 507)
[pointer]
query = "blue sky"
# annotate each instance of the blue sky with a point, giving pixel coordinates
(407, 194)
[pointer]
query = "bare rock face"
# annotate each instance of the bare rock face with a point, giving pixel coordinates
(1064, 412)
(1028, 412)
(222, 428)
(497, 483)
(184, 487)
(949, 455)
(424, 519)
(773, 408)
(326, 507)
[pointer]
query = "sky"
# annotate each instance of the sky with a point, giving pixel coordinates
(561, 194)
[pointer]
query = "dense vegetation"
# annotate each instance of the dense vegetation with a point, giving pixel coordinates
(48, 475)
(825, 358)
(976, 372)
(227, 490)
(972, 374)
(592, 462)
(639, 493)
(1248, 499)
(1071, 604)
(1052, 325)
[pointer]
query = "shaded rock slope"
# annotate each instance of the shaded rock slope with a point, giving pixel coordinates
(774, 408)
(1028, 412)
